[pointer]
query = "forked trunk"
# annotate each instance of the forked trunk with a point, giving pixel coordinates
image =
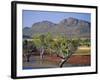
(65, 59)
(62, 62)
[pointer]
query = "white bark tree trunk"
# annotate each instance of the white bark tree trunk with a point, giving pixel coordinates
(41, 54)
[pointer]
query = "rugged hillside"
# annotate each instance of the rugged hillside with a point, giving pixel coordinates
(70, 27)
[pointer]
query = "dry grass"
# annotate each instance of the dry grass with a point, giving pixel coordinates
(83, 51)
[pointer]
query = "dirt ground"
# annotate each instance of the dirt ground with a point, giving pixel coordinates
(53, 62)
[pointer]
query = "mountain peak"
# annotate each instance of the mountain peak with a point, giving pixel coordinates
(68, 26)
(26, 28)
(71, 18)
(69, 21)
(46, 21)
(49, 23)
(72, 21)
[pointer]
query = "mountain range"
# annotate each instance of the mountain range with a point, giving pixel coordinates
(71, 27)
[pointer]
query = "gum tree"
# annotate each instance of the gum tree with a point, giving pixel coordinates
(39, 42)
(64, 48)
(59, 45)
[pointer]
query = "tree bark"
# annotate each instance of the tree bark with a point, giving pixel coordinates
(62, 63)
(66, 59)
(28, 57)
(41, 54)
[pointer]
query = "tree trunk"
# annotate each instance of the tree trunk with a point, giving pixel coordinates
(41, 54)
(65, 59)
(28, 57)
(62, 62)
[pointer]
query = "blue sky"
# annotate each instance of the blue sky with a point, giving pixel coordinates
(30, 16)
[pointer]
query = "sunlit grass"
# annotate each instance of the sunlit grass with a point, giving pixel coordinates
(83, 51)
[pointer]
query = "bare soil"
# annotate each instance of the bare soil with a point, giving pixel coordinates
(53, 61)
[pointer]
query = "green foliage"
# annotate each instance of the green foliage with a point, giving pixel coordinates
(37, 40)
(58, 44)
(42, 40)
(75, 42)
(85, 42)
(25, 43)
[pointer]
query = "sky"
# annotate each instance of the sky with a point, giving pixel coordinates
(29, 17)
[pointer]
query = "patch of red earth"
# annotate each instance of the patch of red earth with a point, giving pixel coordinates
(80, 59)
(52, 58)
(74, 59)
